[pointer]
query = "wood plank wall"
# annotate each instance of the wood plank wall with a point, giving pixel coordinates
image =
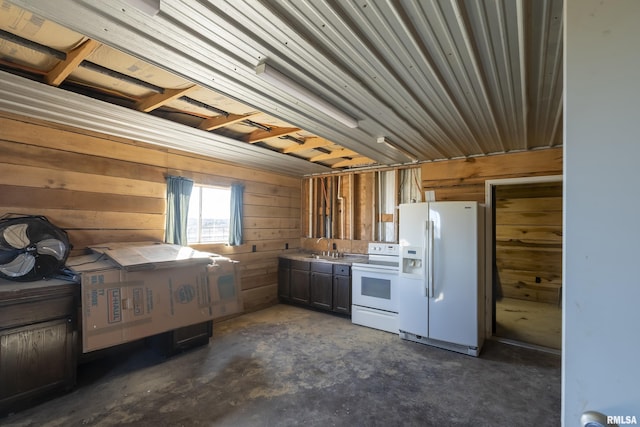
(528, 225)
(464, 179)
(520, 260)
(104, 189)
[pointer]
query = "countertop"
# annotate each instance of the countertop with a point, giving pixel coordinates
(313, 257)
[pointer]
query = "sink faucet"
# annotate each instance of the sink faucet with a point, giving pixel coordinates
(328, 243)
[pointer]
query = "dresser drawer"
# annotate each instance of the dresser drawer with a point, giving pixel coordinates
(27, 312)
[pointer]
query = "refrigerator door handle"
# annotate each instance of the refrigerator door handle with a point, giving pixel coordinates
(430, 276)
(425, 257)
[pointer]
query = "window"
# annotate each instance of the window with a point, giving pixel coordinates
(208, 218)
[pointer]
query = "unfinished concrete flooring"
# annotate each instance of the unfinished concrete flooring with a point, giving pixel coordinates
(287, 366)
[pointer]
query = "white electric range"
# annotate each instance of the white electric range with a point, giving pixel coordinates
(374, 286)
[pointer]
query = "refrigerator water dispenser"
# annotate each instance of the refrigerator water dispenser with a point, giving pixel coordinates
(412, 260)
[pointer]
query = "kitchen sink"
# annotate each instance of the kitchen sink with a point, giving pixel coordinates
(311, 257)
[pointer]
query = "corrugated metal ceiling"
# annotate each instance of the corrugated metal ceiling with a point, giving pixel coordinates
(438, 79)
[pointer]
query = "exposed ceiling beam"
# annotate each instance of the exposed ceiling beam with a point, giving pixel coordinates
(261, 135)
(159, 99)
(440, 79)
(62, 70)
(178, 45)
(32, 99)
(221, 121)
(353, 162)
(342, 152)
(309, 143)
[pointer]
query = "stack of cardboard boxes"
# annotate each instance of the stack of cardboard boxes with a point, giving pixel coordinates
(136, 290)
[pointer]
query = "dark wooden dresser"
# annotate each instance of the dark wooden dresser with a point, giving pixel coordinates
(38, 341)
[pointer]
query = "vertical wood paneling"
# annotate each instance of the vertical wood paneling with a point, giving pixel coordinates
(102, 188)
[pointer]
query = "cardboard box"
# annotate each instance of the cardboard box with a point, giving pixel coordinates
(128, 294)
(151, 255)
(224, 280)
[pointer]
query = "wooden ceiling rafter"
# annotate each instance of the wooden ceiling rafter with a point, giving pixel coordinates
(61, 71)
(335, 154)
(356, 161)
(78, 57)
(274, 132)
(309, 144)
(157, 100)
(217, 122)
(450, 56)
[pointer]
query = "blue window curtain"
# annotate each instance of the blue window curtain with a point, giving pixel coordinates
(178, 194)
(235, 217)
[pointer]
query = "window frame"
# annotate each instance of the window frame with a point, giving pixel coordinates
(200, 188)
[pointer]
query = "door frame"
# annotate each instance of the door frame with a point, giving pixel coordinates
(489, 241)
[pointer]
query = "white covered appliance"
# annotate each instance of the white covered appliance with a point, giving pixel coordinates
(374, 288)
(441, 289)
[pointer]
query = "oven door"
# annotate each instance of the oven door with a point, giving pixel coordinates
(375, 288)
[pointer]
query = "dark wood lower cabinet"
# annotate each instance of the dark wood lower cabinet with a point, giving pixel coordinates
(299, 282)
(39, 348)
(181, 339)
(284, 286)
(38, 341)
(322, 285)
(342, 294)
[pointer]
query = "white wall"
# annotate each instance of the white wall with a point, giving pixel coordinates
(601, 357)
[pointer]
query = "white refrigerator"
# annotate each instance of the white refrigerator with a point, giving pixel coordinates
(441, 287)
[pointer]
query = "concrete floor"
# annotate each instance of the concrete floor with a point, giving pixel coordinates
(529, 322)
(287, 366)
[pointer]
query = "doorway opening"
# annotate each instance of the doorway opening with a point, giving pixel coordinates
(524, 274)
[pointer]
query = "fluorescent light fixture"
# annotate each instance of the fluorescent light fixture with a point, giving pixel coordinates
(382, 139)
(284, 83)
(148, 7)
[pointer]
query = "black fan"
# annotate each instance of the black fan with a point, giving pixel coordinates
(31, 248)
